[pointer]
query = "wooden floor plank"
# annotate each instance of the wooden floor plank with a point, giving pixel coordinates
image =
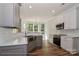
(50, 50)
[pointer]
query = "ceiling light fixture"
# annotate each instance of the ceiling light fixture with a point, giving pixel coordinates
(30, 6)
(53, 11)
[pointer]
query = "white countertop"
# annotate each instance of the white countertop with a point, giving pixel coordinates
(15, 42)
(34, 34)
(15, 39)
(73, 35)
(8, 38)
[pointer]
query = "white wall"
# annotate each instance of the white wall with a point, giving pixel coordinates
(51, 28)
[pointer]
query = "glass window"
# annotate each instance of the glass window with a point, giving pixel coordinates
(30, 27)
(42, 28)
(36, 27)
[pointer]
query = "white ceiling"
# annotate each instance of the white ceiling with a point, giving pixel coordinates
(42, 11)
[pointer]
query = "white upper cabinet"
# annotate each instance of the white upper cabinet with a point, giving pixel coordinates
(71, 18)
(1, 14)
(10, 15)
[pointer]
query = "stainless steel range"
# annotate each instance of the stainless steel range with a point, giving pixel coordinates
(57, 40)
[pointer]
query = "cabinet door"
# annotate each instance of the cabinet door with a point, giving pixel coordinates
(31, 46)
(16, 11)
(70, 19)
(10, 14)
(63, 43)
(1, 13)
(39, 41)
(67, 43)
(7, 14)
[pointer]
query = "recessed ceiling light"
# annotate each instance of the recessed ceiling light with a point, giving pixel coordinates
(53, 11)
(30, 6)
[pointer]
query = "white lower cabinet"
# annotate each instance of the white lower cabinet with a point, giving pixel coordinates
(67, 43)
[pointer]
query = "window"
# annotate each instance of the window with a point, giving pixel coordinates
(36, 27)
(42, 28)
(30, 27)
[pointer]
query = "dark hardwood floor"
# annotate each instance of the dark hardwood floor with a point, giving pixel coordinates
(50, 50)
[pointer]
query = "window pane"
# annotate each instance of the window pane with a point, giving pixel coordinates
(42, 28)
(30, 27)
(36, 27)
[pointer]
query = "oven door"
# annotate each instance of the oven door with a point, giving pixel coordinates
(56, 40)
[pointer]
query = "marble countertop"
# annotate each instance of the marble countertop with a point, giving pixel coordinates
(15, 42)
(73, 35)
(12, 39)
(7, 37)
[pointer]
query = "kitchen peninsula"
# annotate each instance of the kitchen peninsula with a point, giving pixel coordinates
(34, 42)
(17, 43)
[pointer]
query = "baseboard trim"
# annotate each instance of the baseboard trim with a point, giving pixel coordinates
(74, 52)
(71, 52)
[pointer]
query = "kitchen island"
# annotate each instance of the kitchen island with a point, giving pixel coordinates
(17, 47)
(20, 45)
(34, 42)
(17, 44)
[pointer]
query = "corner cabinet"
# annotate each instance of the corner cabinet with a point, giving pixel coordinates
(10, 15)
(67, 43)
(70, 43)
(71, 18)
